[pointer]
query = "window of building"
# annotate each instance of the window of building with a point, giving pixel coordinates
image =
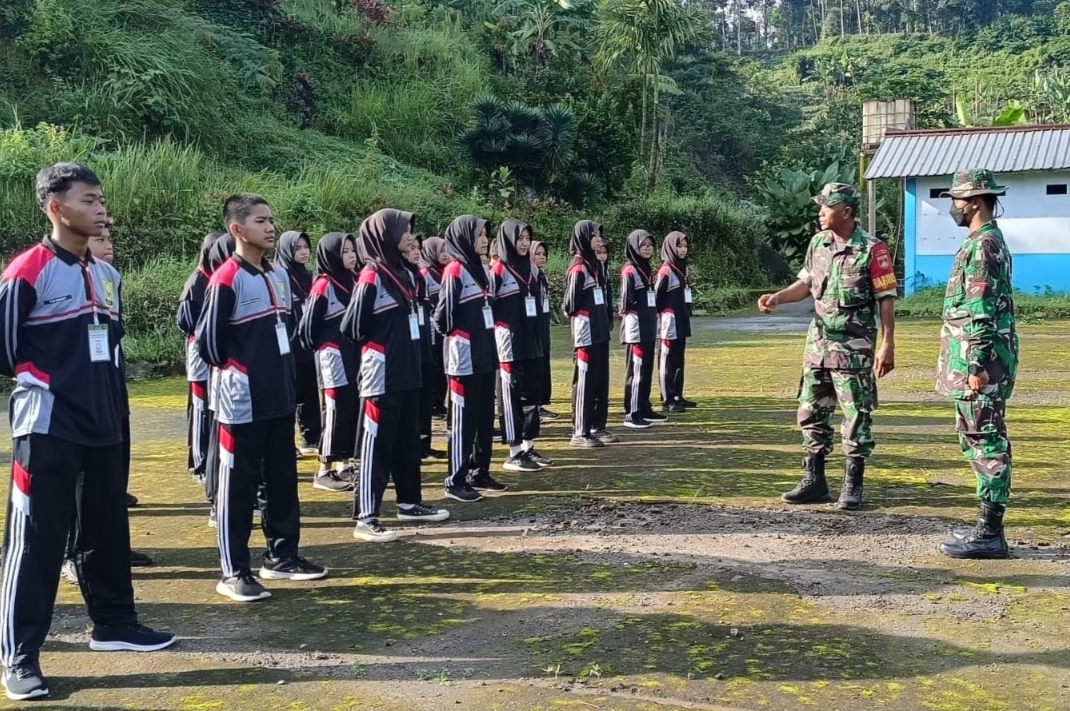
(1057, 189)
(936, 192)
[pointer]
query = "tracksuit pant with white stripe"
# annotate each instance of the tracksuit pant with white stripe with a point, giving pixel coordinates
(251, 455)
(590, 378)
(198, 427)
(307, 391)
(519, 395)
(338, 438)
(48, 491)
(471, 425)
(428, 394)
(672, 370)
(638, 374)
(390, 448)
(211, 464)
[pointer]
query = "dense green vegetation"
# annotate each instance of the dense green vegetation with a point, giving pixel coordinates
(717, 117)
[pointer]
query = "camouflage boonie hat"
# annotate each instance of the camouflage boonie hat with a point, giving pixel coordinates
(835, 193)
(968, 183)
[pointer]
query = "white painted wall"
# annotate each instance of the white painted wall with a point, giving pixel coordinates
(1033, 221)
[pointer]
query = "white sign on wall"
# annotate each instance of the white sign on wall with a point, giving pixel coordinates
(1034, 221)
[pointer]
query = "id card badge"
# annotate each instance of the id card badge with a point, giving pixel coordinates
(545, 304)
(599, 297)
(99, 351)
(650, 300)
(283, 337)
(687, 294)
(488, 317)
(529, 306)
(423, 319)
(414, 327)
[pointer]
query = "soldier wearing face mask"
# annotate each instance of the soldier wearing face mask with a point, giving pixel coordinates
(979, 358)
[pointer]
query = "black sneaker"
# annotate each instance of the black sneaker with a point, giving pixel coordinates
(430, 453)
(139, 559)
(483, 481)
(605, 437)
(585, 442)
(373, 532)
(533, 455)
(655, 418)
(333, 481)
(673, 407)
(242, 588)
(420, 512)
(636, 423)
(129, 638)
(547, 415)
(438, 412)
(296, 568)
(520, 463)
(24, 681)
(463, 493)
(131, 501)
(688, 403)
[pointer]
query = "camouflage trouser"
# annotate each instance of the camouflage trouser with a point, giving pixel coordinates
(983, 437)
(819, 391)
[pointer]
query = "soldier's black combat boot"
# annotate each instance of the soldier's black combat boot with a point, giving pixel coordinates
(986, 541)
(851, 493)
(813, 488)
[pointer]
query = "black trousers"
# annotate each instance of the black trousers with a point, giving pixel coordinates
(590, 380)
(391, 448)
(638, 374)
(338, 437)
(519, 393)
(211, 466)
(471, 425)
(672, 370)
(547, 381)
(55, 482)
(251, 456)
(308, 402)
(437, 376)
(198, 426)
(428, 394)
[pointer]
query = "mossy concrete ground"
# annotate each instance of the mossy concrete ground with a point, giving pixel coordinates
(658, 573)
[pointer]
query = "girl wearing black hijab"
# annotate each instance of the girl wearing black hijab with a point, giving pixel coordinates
(336, 358)
(538, 260)
(517, 303)
(585, 305)
(190, 304)
(433, 259)
(427, 346)
(465, 317)
(292, 254)
(674, 320)
(638, 329)
(383, 320)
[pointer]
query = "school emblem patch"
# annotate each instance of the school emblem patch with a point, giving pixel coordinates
(109, 293)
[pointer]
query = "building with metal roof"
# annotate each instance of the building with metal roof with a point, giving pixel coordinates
(1032, 161)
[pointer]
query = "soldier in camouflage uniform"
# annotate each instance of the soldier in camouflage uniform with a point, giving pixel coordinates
(979, 358)
(851, 277)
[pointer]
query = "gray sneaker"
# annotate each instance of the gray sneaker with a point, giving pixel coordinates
(585, 442)
(242, 588)
(24, 681)
(333, 481)
(605, 437)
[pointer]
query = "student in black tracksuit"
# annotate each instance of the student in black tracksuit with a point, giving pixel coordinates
(220, 253)
(383, 320)
(601, 406)
(465, 316)
(585, 305)
(674, 320)
(638, 330)
(190, 303)
(538, 260)
(433, 259)
(292, 254)
(245, 332)
(336, 358)
(60, 329)
(517, 304)
(428, 343)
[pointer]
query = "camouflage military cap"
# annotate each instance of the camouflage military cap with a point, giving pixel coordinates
(979, 181)
(835, 193)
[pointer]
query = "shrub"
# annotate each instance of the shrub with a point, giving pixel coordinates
(150, 297)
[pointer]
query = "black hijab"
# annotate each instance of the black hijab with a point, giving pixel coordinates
(508, 235)
(670, 255)
(631, 251)
(330, 263)
(581, 249)
(220, 252)
(380, 235)
(204, 263)
(461, 245)
(431, 252)
(284, 257)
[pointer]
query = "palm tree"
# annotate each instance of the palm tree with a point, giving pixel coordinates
(642, 36)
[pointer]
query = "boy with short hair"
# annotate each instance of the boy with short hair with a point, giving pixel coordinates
(245, 331)
(60, 329)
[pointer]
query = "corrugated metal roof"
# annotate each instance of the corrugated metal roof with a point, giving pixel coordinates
(908, 154)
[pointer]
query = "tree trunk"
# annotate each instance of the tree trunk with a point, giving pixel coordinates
(858, 10)
(739, 28)
(642, 130)
(843, 26)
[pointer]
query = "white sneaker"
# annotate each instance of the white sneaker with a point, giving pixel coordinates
(373, 532)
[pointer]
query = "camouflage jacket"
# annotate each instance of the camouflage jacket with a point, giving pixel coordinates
(846, 281)
(979, 319)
